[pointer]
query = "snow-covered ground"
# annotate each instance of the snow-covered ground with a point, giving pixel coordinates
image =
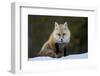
(76, 56)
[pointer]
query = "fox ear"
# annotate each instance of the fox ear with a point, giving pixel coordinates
(56, 25)
(65, 25)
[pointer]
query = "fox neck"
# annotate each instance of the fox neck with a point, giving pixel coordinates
(51, 41)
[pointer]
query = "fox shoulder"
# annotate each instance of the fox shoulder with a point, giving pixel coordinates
(44, 48)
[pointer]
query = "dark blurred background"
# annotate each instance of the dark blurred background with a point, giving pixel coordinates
(40, 27)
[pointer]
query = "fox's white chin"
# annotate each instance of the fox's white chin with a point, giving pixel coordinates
(66, 41)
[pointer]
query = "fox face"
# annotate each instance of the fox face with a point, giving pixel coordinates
(61, 33)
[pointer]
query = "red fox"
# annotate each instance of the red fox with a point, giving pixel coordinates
(58, 39)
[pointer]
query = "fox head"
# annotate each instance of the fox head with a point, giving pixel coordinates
(61, 33)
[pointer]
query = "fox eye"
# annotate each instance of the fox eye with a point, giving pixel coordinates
(64, 34)
(58, 34)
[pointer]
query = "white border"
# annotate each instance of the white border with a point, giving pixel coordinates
(20, 62)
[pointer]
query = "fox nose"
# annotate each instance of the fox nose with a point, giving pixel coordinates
(61, 40)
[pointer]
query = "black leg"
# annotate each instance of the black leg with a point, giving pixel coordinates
(57, 48)
(65, 51)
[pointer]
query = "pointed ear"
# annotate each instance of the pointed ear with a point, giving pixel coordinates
(56, 25)
(65, 25)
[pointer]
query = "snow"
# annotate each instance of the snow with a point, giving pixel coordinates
(76, 56)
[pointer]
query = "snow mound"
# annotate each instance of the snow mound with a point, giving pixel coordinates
(76, 56)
